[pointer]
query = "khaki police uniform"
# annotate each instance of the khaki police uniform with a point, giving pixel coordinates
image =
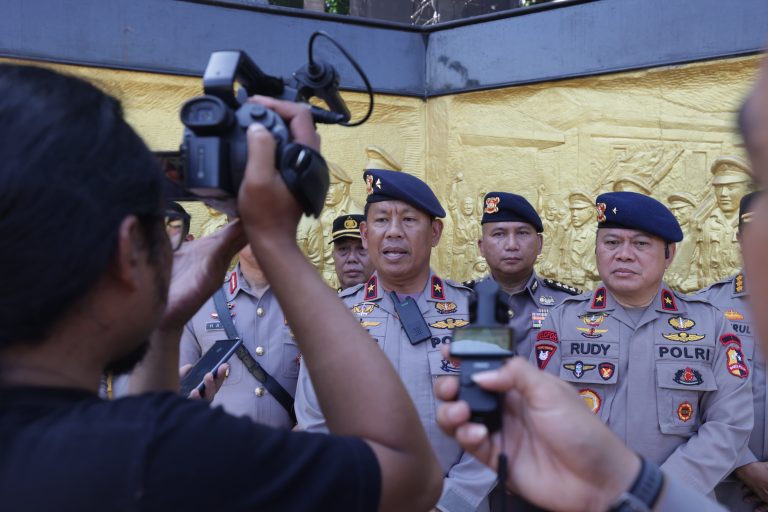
(730, 296)
(672, 381)
(261, 324)
(530, 306)
(443, 305)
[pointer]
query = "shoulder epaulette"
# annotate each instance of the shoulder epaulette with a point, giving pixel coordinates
(469, 284)
(346, 292)
(713, 286)
(557, 285)
(456, 284)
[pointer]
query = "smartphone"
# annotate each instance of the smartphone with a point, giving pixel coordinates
(217, 355)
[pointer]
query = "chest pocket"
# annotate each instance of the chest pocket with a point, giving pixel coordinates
(594, 376)
(679, 386)
(373, 320)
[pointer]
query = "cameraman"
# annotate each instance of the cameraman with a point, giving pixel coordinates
(73, 170)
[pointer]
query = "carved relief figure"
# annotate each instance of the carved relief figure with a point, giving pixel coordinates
(466, 232)
(578, 267)
(683, 274)
(717, 248)
(553, 216)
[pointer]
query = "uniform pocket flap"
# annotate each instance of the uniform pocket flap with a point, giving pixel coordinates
(591, 370)
(693, 377)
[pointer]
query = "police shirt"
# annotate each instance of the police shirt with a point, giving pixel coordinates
(730, 296)
(443, 304)
(261, 324)
(674, 385)
(530, 306)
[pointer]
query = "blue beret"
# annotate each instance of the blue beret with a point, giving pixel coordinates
(385, 185)
(631, 210)
(506, 207)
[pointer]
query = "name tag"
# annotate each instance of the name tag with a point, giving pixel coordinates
(212, 326)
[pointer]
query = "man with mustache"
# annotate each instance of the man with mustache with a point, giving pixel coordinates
(511, 241)
(409, 312)
(353, 266)
(665, 371)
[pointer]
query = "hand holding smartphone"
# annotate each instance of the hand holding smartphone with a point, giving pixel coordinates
(211, 361)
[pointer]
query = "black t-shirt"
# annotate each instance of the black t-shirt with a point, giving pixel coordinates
(66, 449)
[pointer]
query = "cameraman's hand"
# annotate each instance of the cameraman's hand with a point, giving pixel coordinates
(550, 436)
(212, 384)
(266, 206)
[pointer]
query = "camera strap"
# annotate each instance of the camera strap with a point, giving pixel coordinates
(259, 373)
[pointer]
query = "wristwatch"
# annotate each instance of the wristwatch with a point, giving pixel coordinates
(645, 490)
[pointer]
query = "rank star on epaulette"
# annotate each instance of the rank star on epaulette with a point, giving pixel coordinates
(371, 288)
(437, 288)
(598, 299)
(738, 283)
(449, 323)
(668, 300)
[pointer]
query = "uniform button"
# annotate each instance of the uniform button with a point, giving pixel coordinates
(259, 351)
(260, 391)
(259, 312)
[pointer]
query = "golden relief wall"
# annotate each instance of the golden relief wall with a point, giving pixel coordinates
(662, 131)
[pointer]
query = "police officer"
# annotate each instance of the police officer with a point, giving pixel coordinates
(259, 321)
(664, 370)
(401, 227)
(730, 296)
(353, 266)
(511, 241)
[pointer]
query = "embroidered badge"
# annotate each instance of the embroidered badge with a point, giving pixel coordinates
(492, 205)
(600, 212)
(437, 288)
(579, 368)
(733, 315)
(598, 299)
(736, 365)
(538, 318)
(685, 411)
(544, 354)
(546, 300)
(364, 308)
(449, 323)
(593, 319)
(728, 338)
(232, 283)
(368, 323)
(445, 308)
(371, 288)
(683, 337)
(668, 300)
(606, 370)
(592, 399)
(591, 332)
(681, 324)
(369, 184)
(547, 336)
(350, 223)
(688, 377)
(450, 366)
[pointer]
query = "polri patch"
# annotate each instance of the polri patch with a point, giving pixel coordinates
(736, 365)
(685, 411)
(446, 308)
(592, 399)
(544, 354)
(688, 377)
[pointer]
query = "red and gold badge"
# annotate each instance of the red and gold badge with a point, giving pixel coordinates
(736, 365)
(600, 212)
(492, 204)
(685, 411)
(592, 399)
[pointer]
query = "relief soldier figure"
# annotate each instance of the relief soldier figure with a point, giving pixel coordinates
(579, 268)
(717, 247)
(682, 274)
(466, 232)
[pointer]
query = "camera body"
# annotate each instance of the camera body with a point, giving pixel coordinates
(215, 147)
(483, 345)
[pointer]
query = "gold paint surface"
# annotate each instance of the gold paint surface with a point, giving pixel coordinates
(657, 131)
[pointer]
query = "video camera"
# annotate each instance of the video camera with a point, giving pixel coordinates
(483, 345)
(214, 150)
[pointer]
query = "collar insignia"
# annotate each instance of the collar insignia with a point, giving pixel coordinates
(437, 288)
(668, 300)
(544, 354)
(371, 289)
(598, 299)
(232, 283)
